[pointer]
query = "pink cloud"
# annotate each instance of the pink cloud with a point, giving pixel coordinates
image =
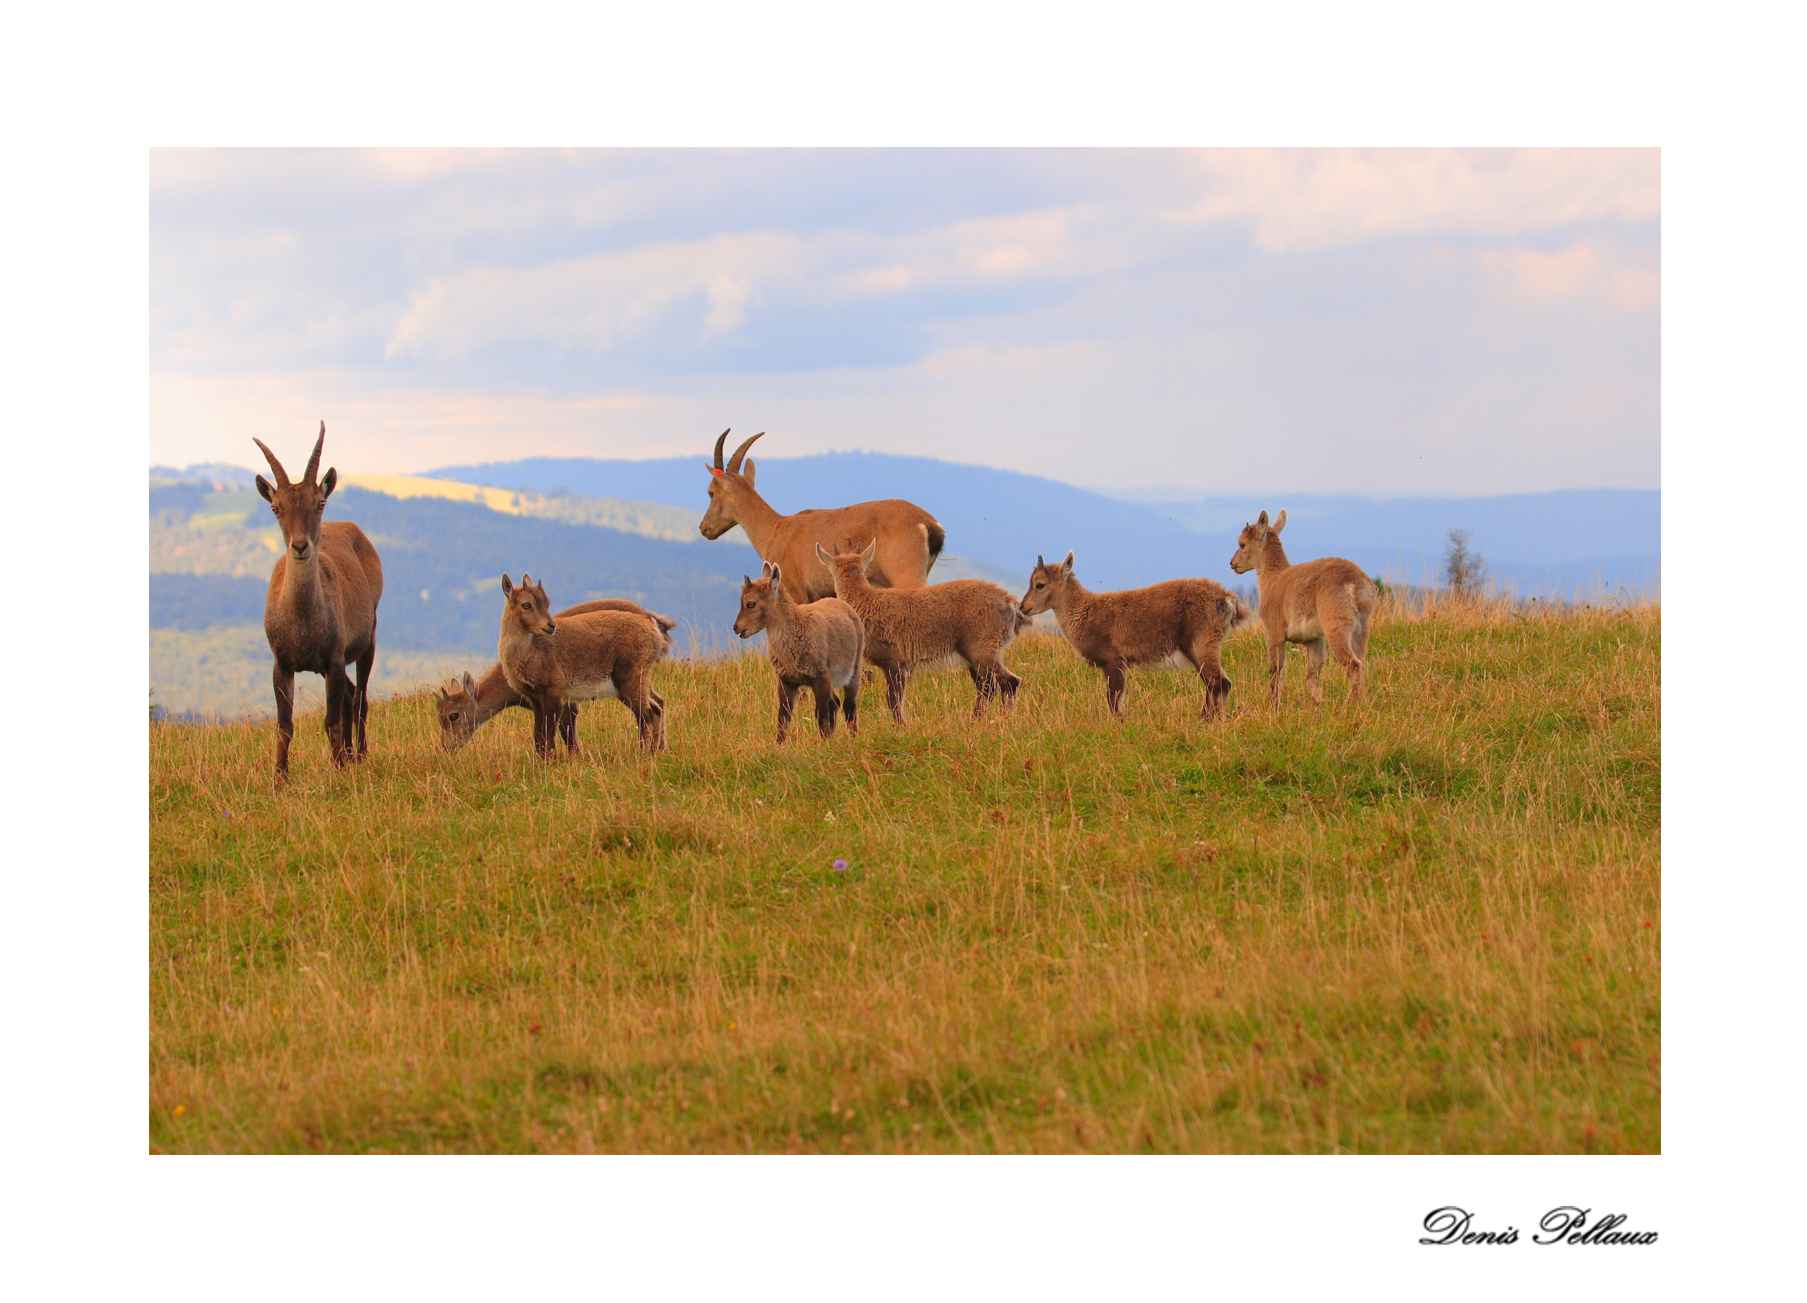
(1583, 271)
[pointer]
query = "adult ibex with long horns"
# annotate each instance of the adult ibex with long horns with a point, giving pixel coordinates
(908, 538)
(320, 613)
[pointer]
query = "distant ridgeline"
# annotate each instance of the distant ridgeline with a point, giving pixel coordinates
(1568, 545)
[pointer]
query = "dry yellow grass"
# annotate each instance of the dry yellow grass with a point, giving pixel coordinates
(1432, 926)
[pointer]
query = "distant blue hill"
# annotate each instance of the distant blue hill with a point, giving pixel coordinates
(1566, 544)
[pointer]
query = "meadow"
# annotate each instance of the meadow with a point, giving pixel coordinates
(1432, 925)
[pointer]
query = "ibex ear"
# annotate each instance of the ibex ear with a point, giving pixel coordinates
(1039, 563)
(823, 557)
(777, 575)
(468, 685)
(1067, 565)
(746, 472)
(1279, 522)
(264, 489)
(716, 471)
(868, 553)
(1261, 520)
(329, 483)
(507, 587)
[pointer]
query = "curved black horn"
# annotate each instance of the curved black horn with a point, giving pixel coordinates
(720, 439)
(740, 452)
(282, 476)
(313, 462)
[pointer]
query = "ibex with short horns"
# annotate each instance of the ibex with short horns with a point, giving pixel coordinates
(815, 645)
(969, 619)
(1187, 618)
(907, 537)
(465, 705)
(1329, 600)
(554, 662)
(320, 614)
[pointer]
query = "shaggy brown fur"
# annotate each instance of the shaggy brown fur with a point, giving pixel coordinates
(968, 618)
(1329, 600)
(320, 612)
(465, 706)
(815, 644)
(907, 537)
(551, 663)
(1139, 626)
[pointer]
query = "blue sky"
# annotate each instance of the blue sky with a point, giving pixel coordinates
(1394, 321)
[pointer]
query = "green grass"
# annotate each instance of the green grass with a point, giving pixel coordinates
(1432, 925)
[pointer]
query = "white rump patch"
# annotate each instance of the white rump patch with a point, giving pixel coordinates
(595, 690)
(1303, 628)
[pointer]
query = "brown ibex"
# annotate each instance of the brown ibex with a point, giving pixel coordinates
(552, 662)
(1329, 600)
(815, 644)
(968, 618)
(320, 612)
(464, 705)
(1139, 626)
(908, 539)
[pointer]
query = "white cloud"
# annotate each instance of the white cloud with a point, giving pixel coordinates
(590, 303)
(1312, 199)
(596, 302)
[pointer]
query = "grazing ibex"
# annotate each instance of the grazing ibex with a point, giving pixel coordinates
(968, 618)
(907, 537)
(465, 706)
(815, 644)
(551, 663)
(1139, 626)
(1328, 600)
(320, 613)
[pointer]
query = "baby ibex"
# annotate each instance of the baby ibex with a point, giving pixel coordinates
(815, 644)
(1139, 626)
(553, 662)
(1328, 600)
(465, 706)
(320, 612)
(907, 627)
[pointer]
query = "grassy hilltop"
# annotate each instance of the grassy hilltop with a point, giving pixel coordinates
(1432, 926)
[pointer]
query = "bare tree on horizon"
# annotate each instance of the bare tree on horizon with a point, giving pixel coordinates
(1464, 571)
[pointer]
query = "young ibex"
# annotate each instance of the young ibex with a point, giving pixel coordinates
(320, 612)
(815, 644)
(1138, 626)
(1328, 600)
(465, 706)
(553, 662)
(908, 539)
(968, 618)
